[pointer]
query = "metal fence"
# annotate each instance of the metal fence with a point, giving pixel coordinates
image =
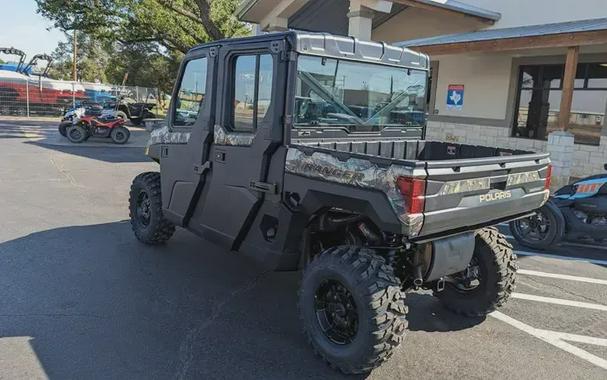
(39, 96)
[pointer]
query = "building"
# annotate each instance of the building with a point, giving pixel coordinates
(531, 74)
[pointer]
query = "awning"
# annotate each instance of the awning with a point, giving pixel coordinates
(254, 10)
(563, 34)
(456, 6)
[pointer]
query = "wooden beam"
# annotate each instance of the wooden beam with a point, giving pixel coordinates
(568, 85)
(437, 9)
(520, 43)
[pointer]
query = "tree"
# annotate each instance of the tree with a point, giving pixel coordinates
(172, 24)
(145, 67)
(99, 61)
(144, 38)
(92, 59)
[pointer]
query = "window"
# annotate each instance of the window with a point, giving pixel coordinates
(252, 90)
(191, 93)
(597, 75)
(358, 96)
(539, 100)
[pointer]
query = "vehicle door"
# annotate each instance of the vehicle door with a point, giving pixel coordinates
(247, 132)
(184, 158)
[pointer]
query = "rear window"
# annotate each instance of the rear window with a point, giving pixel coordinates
(358, 96)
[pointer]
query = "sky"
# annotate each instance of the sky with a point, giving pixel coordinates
(26, 30)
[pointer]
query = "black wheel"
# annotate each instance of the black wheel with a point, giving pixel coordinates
(542, 230)
(76, 133)
(145, 210)
(120, 135)
(487, 282)
(63, 128)
(121, 115)
(352, 308)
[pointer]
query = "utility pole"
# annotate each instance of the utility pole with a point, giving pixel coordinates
(74, 73)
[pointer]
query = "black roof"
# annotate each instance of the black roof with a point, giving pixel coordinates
(328, 45)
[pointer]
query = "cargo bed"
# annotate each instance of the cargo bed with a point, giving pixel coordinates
(466, 186)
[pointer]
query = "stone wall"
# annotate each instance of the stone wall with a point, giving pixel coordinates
(587, 159)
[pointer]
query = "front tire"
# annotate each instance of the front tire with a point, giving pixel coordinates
(145, 210)
(63, 128)
(352, 308)
(120, 135)
(487, 282)
(76, 134)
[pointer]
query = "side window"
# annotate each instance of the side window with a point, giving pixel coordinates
(252, 90)
(190, 96)
(244, 92)
(264, 95)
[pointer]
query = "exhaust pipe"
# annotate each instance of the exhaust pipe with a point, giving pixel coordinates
(418, 276)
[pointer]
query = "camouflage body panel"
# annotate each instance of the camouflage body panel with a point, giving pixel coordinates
(223, 137)
(357, 172)
(164, 135)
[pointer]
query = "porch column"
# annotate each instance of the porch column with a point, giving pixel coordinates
(568, 84)
(360, 17)
(277, 19)
(277, 24)
(360, 23)
(561, 143)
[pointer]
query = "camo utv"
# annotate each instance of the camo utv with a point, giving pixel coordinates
(308, 152)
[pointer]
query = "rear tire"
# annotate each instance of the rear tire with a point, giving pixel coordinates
(552, 236)
(145, 210)
(76, 134)
(120, 135)
(495, 262)
(360, 333)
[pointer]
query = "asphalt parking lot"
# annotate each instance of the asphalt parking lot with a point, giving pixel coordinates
(81, 298)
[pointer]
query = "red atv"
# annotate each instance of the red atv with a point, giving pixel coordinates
(94, 126)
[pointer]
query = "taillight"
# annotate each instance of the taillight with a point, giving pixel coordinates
(413, 191)
(548, 179)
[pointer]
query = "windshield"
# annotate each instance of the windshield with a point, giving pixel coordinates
(359, 96)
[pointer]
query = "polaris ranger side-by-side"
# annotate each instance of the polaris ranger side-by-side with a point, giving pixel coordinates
(307, 151)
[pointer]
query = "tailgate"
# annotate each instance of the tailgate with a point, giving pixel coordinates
(469, 193)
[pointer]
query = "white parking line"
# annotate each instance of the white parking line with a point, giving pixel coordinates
(559, 301)
(581, 339)
(549, 256)
(562, 276)
(557, 339)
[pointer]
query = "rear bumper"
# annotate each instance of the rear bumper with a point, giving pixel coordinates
(465, 218)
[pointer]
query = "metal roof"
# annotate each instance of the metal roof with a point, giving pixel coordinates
(328, 45)
(507, 33)
(464, 8)
(453, 5)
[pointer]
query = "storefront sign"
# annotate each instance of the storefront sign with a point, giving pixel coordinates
(455, 96)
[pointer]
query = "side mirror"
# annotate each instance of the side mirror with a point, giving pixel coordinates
(605, 166)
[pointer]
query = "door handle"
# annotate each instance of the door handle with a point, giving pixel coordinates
(263, 187)
(220, 156)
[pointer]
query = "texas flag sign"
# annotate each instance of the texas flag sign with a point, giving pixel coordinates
(455, 96)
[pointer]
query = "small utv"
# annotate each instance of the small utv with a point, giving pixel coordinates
(306, 152)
